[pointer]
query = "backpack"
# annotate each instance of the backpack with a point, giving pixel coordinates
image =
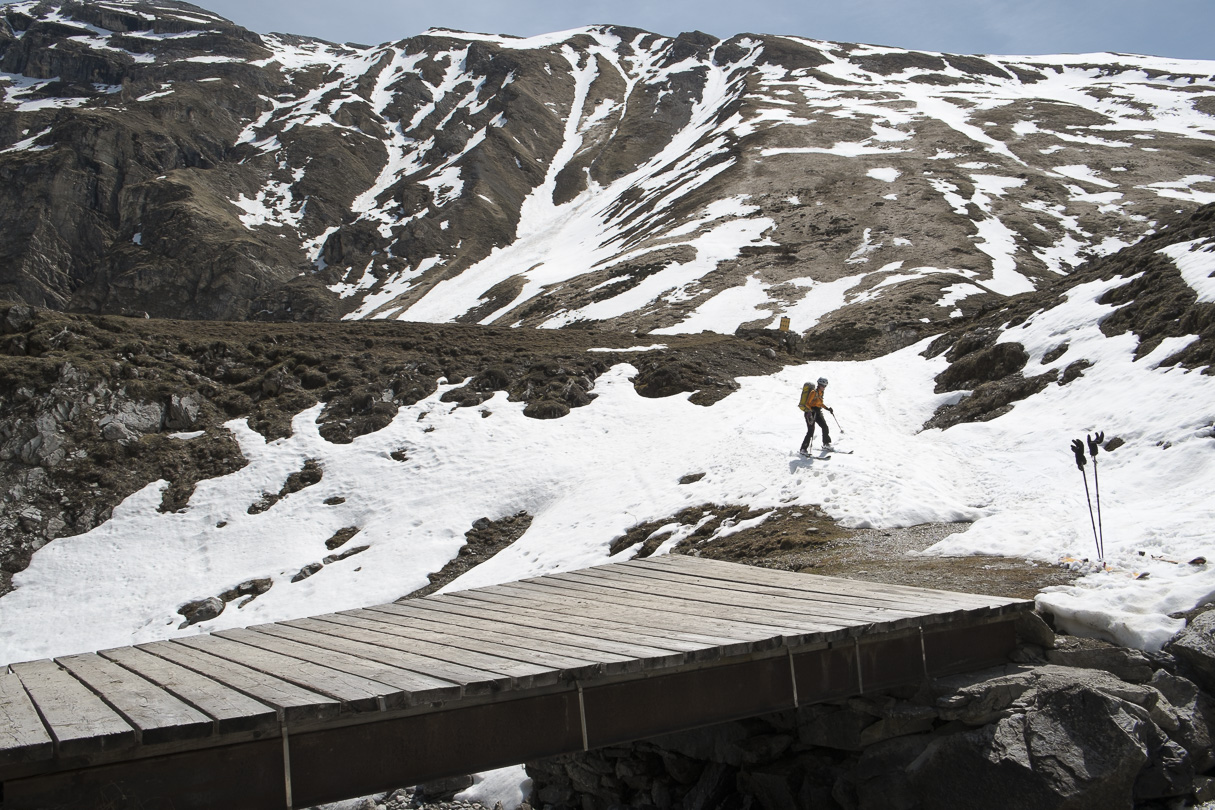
(803, 403)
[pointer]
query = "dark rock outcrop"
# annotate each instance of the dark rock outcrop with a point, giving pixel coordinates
(1013, 737)
(1194, 649)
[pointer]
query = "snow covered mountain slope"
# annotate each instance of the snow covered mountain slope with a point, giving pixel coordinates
(173, 163)
(989, 257)
(371, 519)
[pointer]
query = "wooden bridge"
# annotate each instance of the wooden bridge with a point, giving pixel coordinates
(315, 710)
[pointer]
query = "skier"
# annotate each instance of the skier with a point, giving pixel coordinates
(812, 406)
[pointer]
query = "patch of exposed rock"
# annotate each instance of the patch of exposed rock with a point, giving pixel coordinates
(485, 539)
(992, 372)
(93, 409)
(207, 608)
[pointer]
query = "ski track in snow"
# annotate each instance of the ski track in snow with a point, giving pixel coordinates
(1014, 477)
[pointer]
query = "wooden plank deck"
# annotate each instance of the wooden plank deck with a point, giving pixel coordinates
(328, 707)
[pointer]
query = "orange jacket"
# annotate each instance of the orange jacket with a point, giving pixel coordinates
(811, 398)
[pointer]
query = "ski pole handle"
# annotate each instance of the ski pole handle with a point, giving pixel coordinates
(1078, 449)
(1094, 444)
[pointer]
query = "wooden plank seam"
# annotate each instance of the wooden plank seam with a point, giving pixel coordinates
(96, 690)
(46, 725)
(282, 722)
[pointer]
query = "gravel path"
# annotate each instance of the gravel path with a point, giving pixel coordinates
(805, 539)
(887, 555)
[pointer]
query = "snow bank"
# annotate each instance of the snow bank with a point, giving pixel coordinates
(588, 477)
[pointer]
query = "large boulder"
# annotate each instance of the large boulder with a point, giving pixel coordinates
(1092, 653)
(1187, 714)
(129, 420)
(183, 412)
(1078, 748)
(1046, 737)
(200, 610)
(1194, 649)
(18, 318)
(989, 364)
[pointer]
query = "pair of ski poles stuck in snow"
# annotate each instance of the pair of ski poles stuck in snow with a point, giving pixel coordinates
(1094, 444)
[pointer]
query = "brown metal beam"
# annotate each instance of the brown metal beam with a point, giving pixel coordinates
(661, 704)
(968, 649)
(357, 760)
(236, 777)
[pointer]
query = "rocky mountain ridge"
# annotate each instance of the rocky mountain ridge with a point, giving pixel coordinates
(159, 159)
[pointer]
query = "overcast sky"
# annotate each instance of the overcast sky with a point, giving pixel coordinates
(1179, 28)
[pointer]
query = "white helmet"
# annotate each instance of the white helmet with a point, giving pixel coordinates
(822, 380)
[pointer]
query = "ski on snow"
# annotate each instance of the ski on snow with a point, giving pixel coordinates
(823, 453)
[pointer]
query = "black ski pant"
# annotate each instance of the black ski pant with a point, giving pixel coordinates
(815, 416)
